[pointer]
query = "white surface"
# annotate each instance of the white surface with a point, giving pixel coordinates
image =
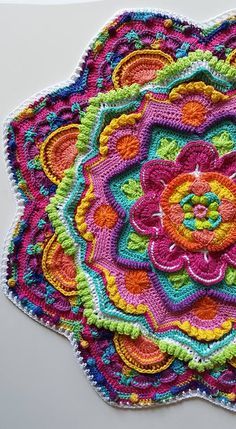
(38, 2)
(41, 385)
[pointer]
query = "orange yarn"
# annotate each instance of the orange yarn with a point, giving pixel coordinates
(168, 23)
(200, 239)
(128, 147)
(193, 113)
(231, 59)
(142, 354)
(105, 216)
(206, 308)
(58, 152)
(140, 66)
(233, 362)
(59, 268)
(137, 281)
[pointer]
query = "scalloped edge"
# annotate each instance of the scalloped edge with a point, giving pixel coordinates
(20, 209)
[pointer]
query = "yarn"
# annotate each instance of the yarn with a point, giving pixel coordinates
(126, 238)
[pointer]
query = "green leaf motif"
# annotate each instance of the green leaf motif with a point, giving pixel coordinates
(132, 189)
(168, 149)
(137, 242)
(179, 279)
(223, 142)
(230, 276)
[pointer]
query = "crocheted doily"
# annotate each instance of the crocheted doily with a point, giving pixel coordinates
(125, 238)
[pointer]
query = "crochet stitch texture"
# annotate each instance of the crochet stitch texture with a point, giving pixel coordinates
(126, 236)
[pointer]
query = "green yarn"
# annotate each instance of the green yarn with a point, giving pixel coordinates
(132, 189)
(34, 164)
(74, 326)
(168, 149)
(218, 358)
(230, 276)
(35, 249)
(179, 279)
(92, 318)
(52, 209)
(223, 142)
(99, 113)
(174, 69)
(137, 242)
(88, 120)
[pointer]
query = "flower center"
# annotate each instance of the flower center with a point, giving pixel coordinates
(200, 211)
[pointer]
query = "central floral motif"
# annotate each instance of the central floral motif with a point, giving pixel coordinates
(189, 212)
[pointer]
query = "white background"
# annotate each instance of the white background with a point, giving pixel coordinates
(41, 384)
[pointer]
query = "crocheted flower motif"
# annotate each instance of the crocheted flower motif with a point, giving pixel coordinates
(125, 236)
(189, 212)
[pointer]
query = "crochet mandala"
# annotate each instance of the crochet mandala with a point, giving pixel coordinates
(125, 240)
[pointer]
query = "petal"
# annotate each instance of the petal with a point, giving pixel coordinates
(206, 268)
(204, 237)
(155, 174)
(197, 155)
(59, 268)
(145, 214)
(200, 187)
(227, 210)
(59, 151)
(227, 164)
(176, 214)
(165, 255)
(142, 354)
(230, 255)
(139, 67)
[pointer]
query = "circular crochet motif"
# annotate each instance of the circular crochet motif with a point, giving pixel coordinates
(200, 212)
(125, 241)
(188, 208)
(139, 67)
(142, 354)
(59, 151)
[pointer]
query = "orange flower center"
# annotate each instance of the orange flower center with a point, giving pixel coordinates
(137, 281)
(105, 216)
(206, 308)
(193, 113)
(128, 147)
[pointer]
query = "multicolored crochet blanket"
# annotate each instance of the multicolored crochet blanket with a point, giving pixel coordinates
(125, 238)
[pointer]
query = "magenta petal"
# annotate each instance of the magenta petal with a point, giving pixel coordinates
(198, 155)
(144, 215)
(230, 256)
(227, 164)
(207, 269)
(155, 174)
(165, 255)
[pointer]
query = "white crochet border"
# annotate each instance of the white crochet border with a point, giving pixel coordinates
(20, 208)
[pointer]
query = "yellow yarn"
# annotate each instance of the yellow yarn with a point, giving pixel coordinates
(193, 87)
(114, 125)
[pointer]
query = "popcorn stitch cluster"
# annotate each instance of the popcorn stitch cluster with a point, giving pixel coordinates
(126, 238)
